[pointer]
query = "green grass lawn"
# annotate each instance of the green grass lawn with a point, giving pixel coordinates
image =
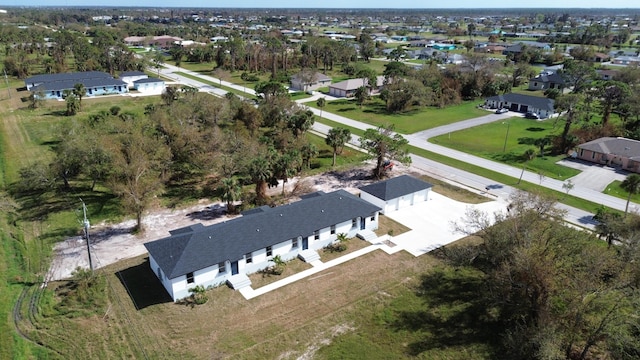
(489, 141)
(614, 189)
(415, 120)
(215, 84)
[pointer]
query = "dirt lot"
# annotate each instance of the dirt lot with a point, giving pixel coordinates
(114, 242)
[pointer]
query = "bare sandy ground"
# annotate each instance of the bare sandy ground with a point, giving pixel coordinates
(113, 242)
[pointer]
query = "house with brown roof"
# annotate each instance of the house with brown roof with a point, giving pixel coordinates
(611, 151)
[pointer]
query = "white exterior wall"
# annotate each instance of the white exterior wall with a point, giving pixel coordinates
(165, 282)
(210, 276)
(151, 88)
(130, 79)
(373, 200)
(206, 277)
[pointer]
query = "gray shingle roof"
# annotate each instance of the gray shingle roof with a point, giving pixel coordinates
(395, 187)
(69, 84)
(534, 101)
(76, 76)
(132, 73)
(192, 248)
(148, 80)
(614, 145)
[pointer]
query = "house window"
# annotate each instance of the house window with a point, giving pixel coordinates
(190, 278)
(269, 251)
(316, 235)
(581, 152)
(159, 274)
(222, 268)
(333, 229)
(593, 155)
(248, 258)
(354, 222)
(294, 243)
(373, 217)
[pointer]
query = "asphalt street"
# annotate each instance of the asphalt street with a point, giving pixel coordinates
(419, 139)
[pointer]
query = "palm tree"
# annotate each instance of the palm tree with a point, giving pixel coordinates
(631, 185)
(261, 173)
(231, 192)
(79, 90)
(337, 138)
(321, 102)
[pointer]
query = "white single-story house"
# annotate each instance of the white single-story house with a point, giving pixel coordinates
(544, 107)
(308, 82)
(53, 86)
(396, 193)
(150, 85)
(226, 252)
(130, 76)
(348, 87)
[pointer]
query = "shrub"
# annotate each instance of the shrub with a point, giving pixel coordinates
(198, 295)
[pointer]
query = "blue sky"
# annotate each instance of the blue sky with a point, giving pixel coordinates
(335, 3)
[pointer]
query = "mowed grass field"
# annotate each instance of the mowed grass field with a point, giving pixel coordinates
(492, 141)
(353, 310)
(374, 113)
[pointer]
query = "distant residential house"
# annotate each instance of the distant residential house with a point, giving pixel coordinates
(599, 58)
(130, 76)
(227, 252)
(611, 151)
(519, 47)
(309, 81)
(219, 39)
(348, 88)
(442, 46)
(523, 103)
(150, 86)
(163, 41)
(489, 49)
(607, 74)
(626, 60)
(53, 86)
(396, 193)
(547, 80)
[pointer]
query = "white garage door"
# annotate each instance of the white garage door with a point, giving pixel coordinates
(406, 201)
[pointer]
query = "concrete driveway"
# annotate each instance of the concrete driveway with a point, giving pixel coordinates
(431, 222)
(593, 176)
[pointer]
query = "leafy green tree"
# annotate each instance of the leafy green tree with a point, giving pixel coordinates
(140, 168)
(362, 95)
(300, 122)
(631, 185)
(385, 146)
(73, 104)
(285, 166)
(337, 138)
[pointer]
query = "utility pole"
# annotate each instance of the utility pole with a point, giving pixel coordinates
(85, 222)
(6, 80)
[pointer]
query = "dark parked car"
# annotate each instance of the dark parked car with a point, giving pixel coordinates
(531, 115)
(502, 111)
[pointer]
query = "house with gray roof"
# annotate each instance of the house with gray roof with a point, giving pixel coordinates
(53, 86)
(348, 87)
(547, 80)
(396, 193)
(226, 252)
(611, 151)
(308, 81)
(542, 106)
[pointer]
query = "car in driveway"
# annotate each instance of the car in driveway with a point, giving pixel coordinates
(531, 115)
(502, 111)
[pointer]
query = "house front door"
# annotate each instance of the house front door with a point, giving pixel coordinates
(362, 223)
(234, 268)
(305, 243)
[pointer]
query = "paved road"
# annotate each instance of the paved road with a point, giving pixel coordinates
(467, 179)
